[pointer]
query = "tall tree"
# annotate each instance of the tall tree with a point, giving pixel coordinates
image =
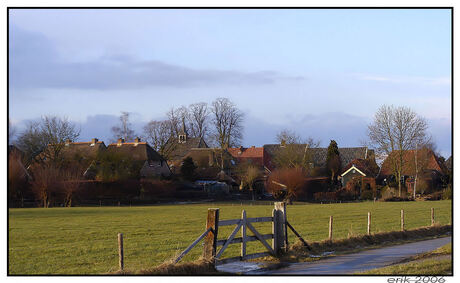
(198, 115)
(48, 137)
(124, 129)
(157, 134)
(293, 151)
(228, 123)
(176, 118)
(333, 163)
(397, 129)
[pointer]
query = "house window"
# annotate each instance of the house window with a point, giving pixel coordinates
(182, 138)
(354, 171)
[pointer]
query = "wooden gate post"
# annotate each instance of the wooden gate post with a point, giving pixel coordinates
(210, 242)
(331, 219)
(120, 251)
(243, 234)
(368, 223)
(281, 206)
(279, 228)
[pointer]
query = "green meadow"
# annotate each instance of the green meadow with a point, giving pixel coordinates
(83, 240)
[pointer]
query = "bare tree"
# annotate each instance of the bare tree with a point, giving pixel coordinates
(396, 129)
(70, 181)
(293, 151)
(44, 182)
(124, 130)
(176, 118)
(198, 115)
(286, 182)
(251, 175)
(17, 176)
(46, 139)
(228, 123)
(157, 134)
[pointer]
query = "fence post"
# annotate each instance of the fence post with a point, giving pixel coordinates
(279, 227)
(243, 235)
(281, 206)
(210, 242)
(402, 219)
(330, 227)
(432, 217)
(120, 251)
(368, 223)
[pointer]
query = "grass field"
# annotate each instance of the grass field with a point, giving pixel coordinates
(83, 240)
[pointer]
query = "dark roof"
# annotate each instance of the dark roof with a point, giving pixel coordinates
(179, 150)
(137, 151)
(87, 150)
(318, 155)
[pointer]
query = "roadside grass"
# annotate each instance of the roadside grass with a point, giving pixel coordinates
(83, 240)
(431, 263)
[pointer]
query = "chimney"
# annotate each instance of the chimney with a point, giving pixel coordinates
(137, 141)
(94, 141)
(67, 142)
(253, 146)
(241, 150)
(120, 141)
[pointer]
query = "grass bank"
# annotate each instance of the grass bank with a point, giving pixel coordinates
(83, 240)
(437, 262)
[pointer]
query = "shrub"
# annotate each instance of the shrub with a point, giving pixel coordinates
(447, 193)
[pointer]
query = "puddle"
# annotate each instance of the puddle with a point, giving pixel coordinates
(239, 267)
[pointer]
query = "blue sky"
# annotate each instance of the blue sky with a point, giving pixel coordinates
(322, 73)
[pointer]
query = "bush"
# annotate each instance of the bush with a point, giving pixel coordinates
(394, 198)
(447, 193)
(367, 195)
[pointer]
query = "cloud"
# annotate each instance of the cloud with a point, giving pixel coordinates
(35, 63)
(434, 81)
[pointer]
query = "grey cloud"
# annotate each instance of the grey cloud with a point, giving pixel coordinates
(34, 62)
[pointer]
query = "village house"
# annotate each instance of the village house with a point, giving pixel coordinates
(361, 172)
(422, 163)
(317, 156)
(212, 164)
(151, 163)
(178, 147)
(251, 155)
(73, 154)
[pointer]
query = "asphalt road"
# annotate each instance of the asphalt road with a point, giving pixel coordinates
(352, 263)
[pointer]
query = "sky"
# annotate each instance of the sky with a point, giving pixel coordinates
(322, 73)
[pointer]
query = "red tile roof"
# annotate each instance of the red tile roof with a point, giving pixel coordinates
(426, 161)
(256, 155)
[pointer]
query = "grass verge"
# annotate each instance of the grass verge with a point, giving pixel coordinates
(437, 262)
(298, 252)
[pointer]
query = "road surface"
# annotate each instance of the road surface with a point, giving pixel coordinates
(352, 263)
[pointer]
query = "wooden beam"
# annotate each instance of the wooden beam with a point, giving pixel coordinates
(248, 239)
(229, 222)
(230, 238)
(298, 236)
(192, 245)
(243, 233)
(257, 234)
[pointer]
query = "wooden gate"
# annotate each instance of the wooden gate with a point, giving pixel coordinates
(211, 242)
